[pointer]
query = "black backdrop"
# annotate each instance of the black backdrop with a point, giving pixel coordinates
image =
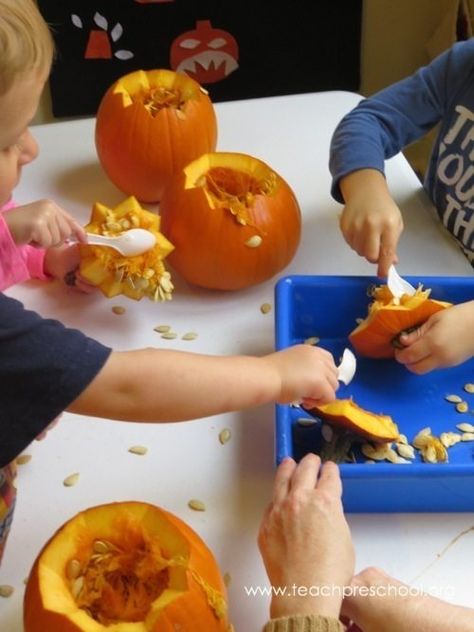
(257, 48)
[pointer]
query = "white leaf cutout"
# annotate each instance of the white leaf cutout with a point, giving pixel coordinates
(124, 54)
(76, 20)
(116, 32)
(101, 21)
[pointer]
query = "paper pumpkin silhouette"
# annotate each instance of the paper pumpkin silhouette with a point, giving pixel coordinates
(206, 54)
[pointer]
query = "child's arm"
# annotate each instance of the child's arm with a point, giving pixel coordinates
(446, 339)
(162, 385)
(371, 222)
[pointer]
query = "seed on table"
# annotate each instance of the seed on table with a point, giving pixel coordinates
(71, 480)
(453, 399)
(265, 308)
(119, 310)
(23, 458)
(190, 335)
(462, 407)
(467, 436)
(162, 329)
(465, 427)
(6, 590)
(196, 505)
(224, 435)
(312, 340)
(227, 579)
(169, 335)
(138, 449)
(469, 387)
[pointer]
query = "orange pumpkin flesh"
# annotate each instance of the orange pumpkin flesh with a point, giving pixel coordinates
(387, 318)
(347, 414)
(112, 272)
(149, 125)
(141, 569)
(233, 220)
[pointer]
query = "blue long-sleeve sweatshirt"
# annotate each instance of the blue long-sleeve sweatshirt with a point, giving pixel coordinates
(380, 126)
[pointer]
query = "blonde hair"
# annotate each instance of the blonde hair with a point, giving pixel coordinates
(26, 43)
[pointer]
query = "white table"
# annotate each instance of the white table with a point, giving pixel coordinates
(186, 460)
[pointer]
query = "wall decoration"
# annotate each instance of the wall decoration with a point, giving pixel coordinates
(236, 50)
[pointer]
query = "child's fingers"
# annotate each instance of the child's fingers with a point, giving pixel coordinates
(281, 486)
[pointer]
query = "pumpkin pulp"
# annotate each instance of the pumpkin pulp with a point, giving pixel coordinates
(235, 191)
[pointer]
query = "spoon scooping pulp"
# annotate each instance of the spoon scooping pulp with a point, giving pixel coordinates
(130, 243)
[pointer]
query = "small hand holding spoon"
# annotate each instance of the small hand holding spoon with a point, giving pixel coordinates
(130, 243)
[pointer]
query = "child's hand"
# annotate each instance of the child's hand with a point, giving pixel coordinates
(43, 224)
(371, 222)
(446, 339)
(306, 373)
(62, 263)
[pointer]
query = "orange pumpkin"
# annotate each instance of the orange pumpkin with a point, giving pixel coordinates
(149, 125)
(376, 336)
(112, 272)
(347, 414)
(233, 220)
(126, 566)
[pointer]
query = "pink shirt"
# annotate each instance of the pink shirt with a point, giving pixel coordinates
(17, 263)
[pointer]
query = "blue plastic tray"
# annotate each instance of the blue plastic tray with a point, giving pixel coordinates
(327, 307)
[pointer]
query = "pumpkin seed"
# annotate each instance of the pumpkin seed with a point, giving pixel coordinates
(169, 335)
(125, 224)
(306, 421)
(119, 310)
(469, 387)
(23, 458)
(101, 547)
(265, 308)
(422, 438)
(203, 90)
(327, 432)
(402, 439)
(449, 439)
(138, 449)
(224, 435)
(453, 399)
(71, 480)
(465, 427)
(406, 451)
(191, 335)
(77, 586)
(227, 579)
(6, 590)
(312, 340)
(254, 241)
(162, 329)
(467, 436)
(148, 273)
(73, 569)
(462, 407)
(196, 505)
(180, 114)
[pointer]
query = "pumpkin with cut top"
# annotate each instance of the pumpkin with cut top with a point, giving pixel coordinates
(150, 124)
(378, 334)
(233, 220)
(113, 273)
(127, 566)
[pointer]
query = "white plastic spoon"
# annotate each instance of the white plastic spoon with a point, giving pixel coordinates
(347, 367)
(130, 243)
(398, 286)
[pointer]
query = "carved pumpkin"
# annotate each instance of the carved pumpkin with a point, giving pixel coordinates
(206, 54)
(376, 336)
(126, 566)
(233, 220)
(347, 414)
(149, 125)
(113, 273)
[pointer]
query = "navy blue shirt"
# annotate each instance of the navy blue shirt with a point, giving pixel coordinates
(380, 126)
(43, 368)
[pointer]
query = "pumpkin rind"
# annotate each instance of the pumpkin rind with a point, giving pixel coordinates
(194, 598)
(112, 272)
(347, 414)
(149, 125)
(233, 220)
(387, 318)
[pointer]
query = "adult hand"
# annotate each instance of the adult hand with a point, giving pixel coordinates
(445, 339)
(305, 373)
(43, 224)
(305, 541)
(371, 222)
